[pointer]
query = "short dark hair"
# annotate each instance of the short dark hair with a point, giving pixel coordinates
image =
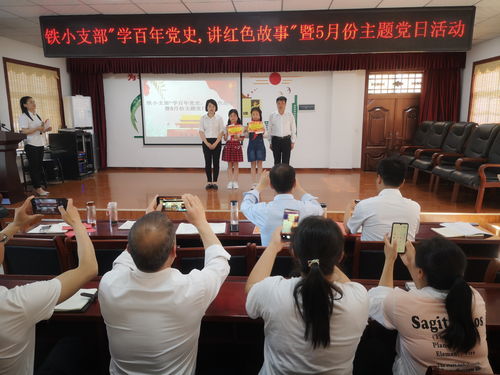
(150, 241)
(281, 98)
(257, 109)
(392, 171)
(282, 178)
(211, 101)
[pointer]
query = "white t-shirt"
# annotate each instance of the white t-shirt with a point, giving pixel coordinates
(420, 316)
(34, 139)
(21, 308)
(212, 126)
(285, 349)
(282, 125)
(376, 215)
(153, 319)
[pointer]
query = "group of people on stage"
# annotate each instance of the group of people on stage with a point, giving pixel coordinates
(313, 322)
(282, 129)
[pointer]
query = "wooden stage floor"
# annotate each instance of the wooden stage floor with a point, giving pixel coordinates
(134, 188)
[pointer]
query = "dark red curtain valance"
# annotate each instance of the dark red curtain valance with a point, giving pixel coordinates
(376, 61)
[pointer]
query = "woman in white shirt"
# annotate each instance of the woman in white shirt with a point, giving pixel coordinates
(312, 323)
(34, 128)
(441, 321)
(211, 132)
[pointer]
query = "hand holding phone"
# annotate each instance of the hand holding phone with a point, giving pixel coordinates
(399, 233)
(48, 206)
(290, 221)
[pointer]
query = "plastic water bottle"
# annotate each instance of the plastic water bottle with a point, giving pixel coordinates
(323, 206)
(91, 213)
(234, 225)
(113, 212)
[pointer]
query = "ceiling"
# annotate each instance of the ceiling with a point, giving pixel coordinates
(19, 18)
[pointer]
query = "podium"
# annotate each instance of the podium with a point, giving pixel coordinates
(9, 175)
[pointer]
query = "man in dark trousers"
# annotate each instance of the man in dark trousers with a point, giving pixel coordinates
(283, 132)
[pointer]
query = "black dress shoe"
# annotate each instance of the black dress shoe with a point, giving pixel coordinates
(215, 187)
(209, 186)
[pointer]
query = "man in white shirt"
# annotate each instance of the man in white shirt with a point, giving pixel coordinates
(269, 216)
(375, 215)
(153, 312)
(283, 132)
(22, 307)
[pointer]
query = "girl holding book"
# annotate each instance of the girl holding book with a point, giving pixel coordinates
(256, 151)
(233, 152)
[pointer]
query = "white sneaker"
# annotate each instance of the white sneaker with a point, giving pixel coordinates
(235, 185)
(230, 185)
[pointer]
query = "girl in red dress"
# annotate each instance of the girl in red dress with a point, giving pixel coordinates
(233, 153)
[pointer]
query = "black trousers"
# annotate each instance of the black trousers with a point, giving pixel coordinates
(212, 157)
(35, 161)
(282, 146)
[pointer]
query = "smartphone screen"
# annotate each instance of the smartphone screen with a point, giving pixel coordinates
(48, 206)
(399, 233)
(290, 221)
(172, 204)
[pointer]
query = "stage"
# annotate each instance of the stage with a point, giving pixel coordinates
(133, 188)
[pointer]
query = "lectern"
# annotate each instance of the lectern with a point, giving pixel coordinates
(9, 175)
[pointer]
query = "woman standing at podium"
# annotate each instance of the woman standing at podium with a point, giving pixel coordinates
(34, 128)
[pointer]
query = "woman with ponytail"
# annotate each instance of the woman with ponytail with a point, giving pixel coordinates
(441, 320)
(313, 323)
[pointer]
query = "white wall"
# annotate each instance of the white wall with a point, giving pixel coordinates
(328, 137)
(481, 51)
(29, 53)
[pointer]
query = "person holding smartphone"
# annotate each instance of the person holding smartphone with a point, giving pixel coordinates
(442, 322)
(34, 128)
(312, 323)
(211, 132)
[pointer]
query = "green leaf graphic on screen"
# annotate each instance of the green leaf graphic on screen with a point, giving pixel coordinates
(134, 106)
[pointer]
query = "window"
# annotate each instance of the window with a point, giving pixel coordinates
(484, 104)
(394, 83)
(38, 81)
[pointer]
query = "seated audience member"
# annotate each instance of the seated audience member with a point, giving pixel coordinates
(268, 216)
(375, 215)
(153, 312)
(22, 307)
(312, 323)
(441, 320)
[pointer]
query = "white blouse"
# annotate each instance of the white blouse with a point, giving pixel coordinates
(212, 127)
(36, 138)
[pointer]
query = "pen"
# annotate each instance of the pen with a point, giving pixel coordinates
(90, 295)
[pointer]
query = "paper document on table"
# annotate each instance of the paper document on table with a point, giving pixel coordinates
(186, 228)
(127, 225)
(49, 228)
(460, 229)
(77, 302)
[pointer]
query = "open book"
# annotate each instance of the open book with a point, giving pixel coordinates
(460, 229)
(78, 302)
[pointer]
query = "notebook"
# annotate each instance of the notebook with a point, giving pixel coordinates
(460, 229)
(77, 302)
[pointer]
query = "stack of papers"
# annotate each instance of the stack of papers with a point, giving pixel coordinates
(49, 228)
(127, 225)
(460, 229)
(186, 228)
(77, 302)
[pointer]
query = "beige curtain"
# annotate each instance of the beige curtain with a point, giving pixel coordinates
(39, 83)
(485, 96)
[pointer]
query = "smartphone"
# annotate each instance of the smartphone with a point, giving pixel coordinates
(399, 233)
(170, 203)
(48, 206)
(290, 221)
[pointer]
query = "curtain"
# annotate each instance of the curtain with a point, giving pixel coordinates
(440, 97)
(92, 85)
(310, 63)
(485, 92)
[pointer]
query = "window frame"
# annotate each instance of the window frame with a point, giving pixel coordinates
(379, 72)
(491, 59)
(39, 66)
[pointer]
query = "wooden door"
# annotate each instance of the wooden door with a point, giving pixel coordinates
(390, 121)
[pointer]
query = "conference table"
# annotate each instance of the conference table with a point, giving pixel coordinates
(229, 305)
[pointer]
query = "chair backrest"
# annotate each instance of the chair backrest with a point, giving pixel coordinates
(437, 134)
(480, 140)
(284, 264)
(34, 256)
(421, 133)
(368, 261)
(106, 251)
(241, 262)
(457, 136)
(494, 153)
